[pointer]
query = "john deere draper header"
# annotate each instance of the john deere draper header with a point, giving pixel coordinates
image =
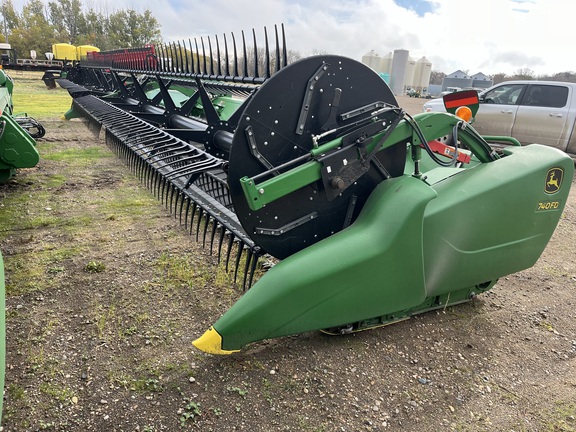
(373, 215)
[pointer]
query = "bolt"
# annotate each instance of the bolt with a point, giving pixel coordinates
(337, 183)
(261, 191)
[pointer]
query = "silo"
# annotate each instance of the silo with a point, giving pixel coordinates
(410, 74)
(372, 60)
(386, 63)
(398, 73)
(422, 75)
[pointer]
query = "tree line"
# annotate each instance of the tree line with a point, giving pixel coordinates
(38, 26)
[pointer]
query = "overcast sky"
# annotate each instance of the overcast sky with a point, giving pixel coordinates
(489, 36)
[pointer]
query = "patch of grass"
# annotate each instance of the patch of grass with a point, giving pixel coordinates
(149, 383)
(36, 270)
(104, 318)
(240, 391)
(189, 412)
(30, 90)
(95, 267)
(562, 418)
(16, 392)
(183, 270)
(56, 391)
(79, 157)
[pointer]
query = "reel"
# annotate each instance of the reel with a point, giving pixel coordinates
(302, 106)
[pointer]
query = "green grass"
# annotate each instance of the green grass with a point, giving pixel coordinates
(562, 418)
(79, 157)
(31, 96)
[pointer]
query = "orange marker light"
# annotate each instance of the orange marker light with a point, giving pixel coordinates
(464, 113)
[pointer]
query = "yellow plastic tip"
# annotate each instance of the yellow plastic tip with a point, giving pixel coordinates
(211, 343)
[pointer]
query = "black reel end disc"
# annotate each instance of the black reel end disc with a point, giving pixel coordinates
(313, 96)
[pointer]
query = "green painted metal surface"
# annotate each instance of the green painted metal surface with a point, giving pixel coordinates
(225, 105)
(344, 277)
(17, 147)
(432, 125)
(417, 244)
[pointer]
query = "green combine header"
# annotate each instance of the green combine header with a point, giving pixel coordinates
(371, 215)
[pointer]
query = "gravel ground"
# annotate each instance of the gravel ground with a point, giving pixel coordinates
(107, 292)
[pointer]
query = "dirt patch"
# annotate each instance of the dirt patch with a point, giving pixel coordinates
(106, 292)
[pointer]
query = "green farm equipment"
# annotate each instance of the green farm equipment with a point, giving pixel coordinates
(373, 215)
(17, 144)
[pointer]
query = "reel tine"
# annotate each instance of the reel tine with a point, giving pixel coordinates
(238, 257)
(178, 59)
(211, 56)
(227, 57)
(245, 55)
(164, 192)
(218, 55)
(164, 57)
(174, 57)
(267, 59)
(278, 66)
(172, 190)
(194, 208)
(168, 57)
(200, 215)
(183, 59)
(213, 234)
(180, 199)
(192, 69)
(154, 186)
(284, 52)
(205, 70)
(156, 179)
(256, 74)
(229, 251)
(236, 73)
(198, 70)
(221, 242)
(186, 213)
(249, 256)
(207, 220)
(253, 266)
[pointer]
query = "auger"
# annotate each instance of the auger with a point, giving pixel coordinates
(372, 214)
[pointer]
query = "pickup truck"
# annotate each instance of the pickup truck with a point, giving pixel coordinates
(542, 112)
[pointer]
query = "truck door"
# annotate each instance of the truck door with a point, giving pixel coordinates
(497, 110)
(542, 116)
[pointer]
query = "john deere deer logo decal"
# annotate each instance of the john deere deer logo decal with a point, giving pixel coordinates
(553, 180)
